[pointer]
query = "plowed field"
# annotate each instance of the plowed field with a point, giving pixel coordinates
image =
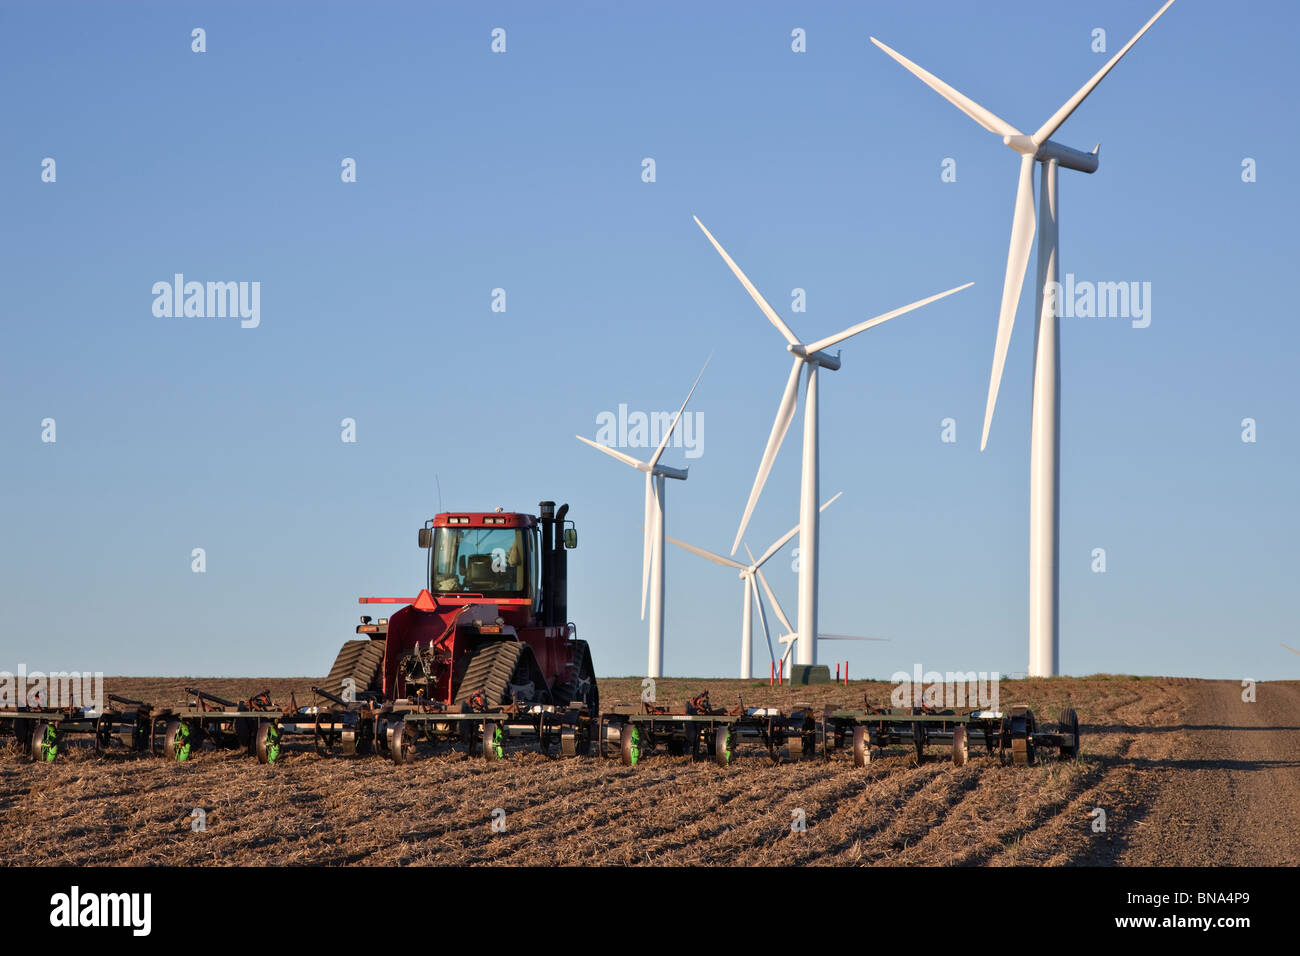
(1186, 772)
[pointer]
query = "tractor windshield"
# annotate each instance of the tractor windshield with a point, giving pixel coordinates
(493, 562)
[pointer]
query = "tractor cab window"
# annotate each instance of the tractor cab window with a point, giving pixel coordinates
(493, 562)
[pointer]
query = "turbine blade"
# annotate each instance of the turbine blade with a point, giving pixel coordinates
(784, 415)
(646, 551)
(669, 434)
(749, 287)
(776, 605)
(1022, 238)
(615, 453)
(863, 326)
(782, 541)
(1060, 116)
(762, 616)
(989, 120)
(709, 555)
(847, 637)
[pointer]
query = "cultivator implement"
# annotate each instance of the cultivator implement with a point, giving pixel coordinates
(42, 733)
(226, 724)
(717, 734)
(400, 729)
(1014, 737)
(700, 730)
(264, 730)
(489, 732)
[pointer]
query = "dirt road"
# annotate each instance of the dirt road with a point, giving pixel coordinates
(1227, 781)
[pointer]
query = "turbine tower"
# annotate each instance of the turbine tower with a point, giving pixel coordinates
(1044, 444)
(748, 572)
(808, 356)
(652, 545)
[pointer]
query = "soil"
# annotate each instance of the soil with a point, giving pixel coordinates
(1186, 772)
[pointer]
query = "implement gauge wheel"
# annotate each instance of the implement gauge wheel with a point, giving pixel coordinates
(959, 751)
(493, 740)
(358, 738)
(723, 740)
(608, 738)
(861, 746)
(630, 738)
(801, 741)
(266, 741)
(1022, 751)
(575, 741)
(178, 741)
(103, 733)
(1069, 724)
(918, 738)
(402, 746)
(45, 742)
(1022, 737)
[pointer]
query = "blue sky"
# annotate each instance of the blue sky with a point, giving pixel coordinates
(522, 171)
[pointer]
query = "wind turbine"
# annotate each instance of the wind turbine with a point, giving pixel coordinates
(652, 546)
(1044, 447)
(789, 638)
(811, 356)
(748, 572)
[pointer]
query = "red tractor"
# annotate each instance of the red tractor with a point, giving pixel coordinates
(491, 628)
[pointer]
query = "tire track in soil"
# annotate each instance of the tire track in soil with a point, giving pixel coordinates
(848, 827)
(583, 819)
(764, 826)
(861, 809)
(708, 794)
(548, 809)
(961, 794)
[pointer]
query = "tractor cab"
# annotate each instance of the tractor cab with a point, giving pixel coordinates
(515, 561)
(491, 556)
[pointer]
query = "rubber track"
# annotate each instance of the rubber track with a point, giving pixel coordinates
(360, 660)
(563, 694)
(490, 670)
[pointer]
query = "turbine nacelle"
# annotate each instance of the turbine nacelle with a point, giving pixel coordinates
(664, 471)
(1068, 157)
(1048, 150)
(824, 359)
